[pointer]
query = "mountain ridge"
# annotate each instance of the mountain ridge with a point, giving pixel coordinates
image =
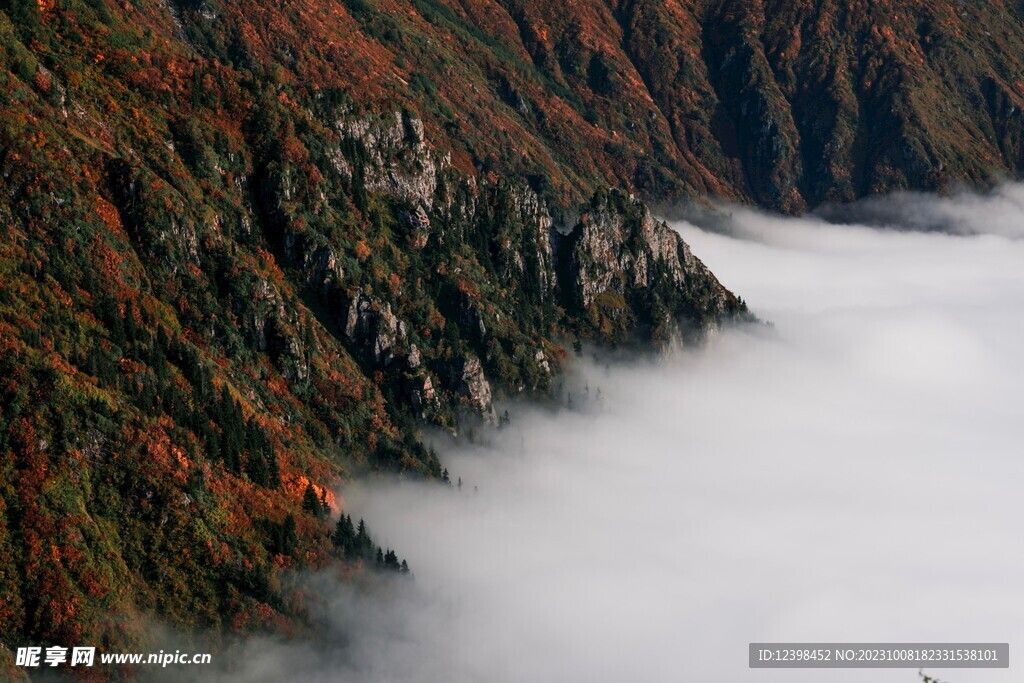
(782, 104)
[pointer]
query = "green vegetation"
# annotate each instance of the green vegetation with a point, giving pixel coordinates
(248, 250)
(223, 292)
(354, 543)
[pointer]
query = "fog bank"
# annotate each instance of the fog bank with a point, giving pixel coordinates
(964, 213)
(852, 473)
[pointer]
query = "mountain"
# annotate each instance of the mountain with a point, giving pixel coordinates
(249, 249)
(786, 104)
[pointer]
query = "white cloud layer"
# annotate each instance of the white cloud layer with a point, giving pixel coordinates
(854, 473)
(995, 213)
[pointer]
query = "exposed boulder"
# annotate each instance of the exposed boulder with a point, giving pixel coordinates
(414, 360)
(421, 395)
(369, 323)
(317, 261)
(271, 325)
(473, 387)
(398, 162)
(419, 226)
(542, 361)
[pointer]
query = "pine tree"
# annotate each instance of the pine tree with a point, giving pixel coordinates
(110, 313)
(92, 364)
(311, 502)
(24, 13)
(131, 327)
(289, 535)
(282, 537)
(261, 463)
(256, 469)
(391, 560)
(228, 415)
(363, 543)
(345, 535)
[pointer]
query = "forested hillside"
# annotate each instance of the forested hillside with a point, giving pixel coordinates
(248, 250)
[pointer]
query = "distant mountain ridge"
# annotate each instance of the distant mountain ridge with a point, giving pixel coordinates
(785, 104)
(249, 249)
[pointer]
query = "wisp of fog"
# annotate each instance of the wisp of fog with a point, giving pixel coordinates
(852, 473)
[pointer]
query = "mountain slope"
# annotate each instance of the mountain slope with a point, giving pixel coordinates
(224, 291)
(787, 104)
(249, 249)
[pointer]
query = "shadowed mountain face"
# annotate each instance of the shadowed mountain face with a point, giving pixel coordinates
(248, 249)
(786, 104)
(791, 104)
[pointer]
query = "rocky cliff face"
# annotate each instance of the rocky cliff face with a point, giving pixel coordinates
(623, 269)
(616, 275)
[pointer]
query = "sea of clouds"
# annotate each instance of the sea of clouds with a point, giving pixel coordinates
(852, 472)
